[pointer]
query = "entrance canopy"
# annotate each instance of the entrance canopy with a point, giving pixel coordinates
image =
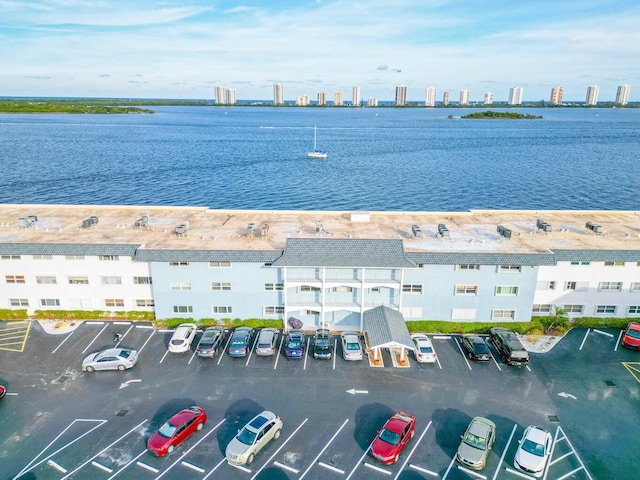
(386, 328)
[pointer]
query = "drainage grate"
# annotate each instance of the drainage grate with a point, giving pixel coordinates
(553, 418)
(122, 412)
(610, 383)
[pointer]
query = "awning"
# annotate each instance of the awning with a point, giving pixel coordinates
(386, 328)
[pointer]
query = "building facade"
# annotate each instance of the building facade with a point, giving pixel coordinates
(322, 98)
(622, 95)
(338, 98)
(445, 98)
(278, 94)
(430, 97)
(356, 99)
(515, 95)
(488, 98)
(464, 97)
(592, 95)
(401, 95)
(556, 96)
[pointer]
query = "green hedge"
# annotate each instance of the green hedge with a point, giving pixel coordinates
(91, 315)
(7, 314)
(224, 322)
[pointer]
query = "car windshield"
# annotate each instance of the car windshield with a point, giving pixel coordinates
(293, 343)
(322, 342)
(480, 348)
(353, 346)
(533, 447)
(424, 349)
(178, 341)
(390, 437)
(633, 333)
(475, 441)
(246, 436)
(238, 341)
(167, 430)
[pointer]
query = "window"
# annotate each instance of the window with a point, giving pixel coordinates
(14, 278)
(576, 286)
(466, 289)
(19, 302)
(219, 286)
(541, 308)
(506, 290)
(78, 280)
(222, 309)
(145, 302)
(419, 265)
(114, 302)
(606, 309)
(610, 286)
(503, 314)
(74, 257)
(311, 312)
(374, 290)
(633, 310)
(42, 257)
(50, 302)
(580, 263)
(46, 280)
(546, 285)
(180, 286)
(341, 289)
(270, 287)
(273, 310)
(635, 286)
(10, 257)
(573, 308)
(468, 266)
(182, 309)
(220, 264)
(509, 268)
(111, 280)
(142, 281)
(308, 288)
(614, 264)
(178, 264)
(463, 314)
(109, 258)
(412, 288)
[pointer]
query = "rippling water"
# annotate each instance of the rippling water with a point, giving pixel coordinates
(379, 159)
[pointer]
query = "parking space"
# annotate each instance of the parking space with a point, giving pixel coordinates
(13, 335)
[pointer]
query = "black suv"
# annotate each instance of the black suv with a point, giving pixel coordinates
(322, 344)
(509, 347)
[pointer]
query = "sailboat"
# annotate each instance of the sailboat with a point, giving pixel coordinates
(315, 153)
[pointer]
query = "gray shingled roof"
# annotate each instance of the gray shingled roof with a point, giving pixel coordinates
(334, 252)
(480, 258)
(153, 255)
(67, 249)
(597, 255)
(386, 328)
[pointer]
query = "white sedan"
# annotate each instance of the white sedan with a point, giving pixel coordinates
(351, 347)
(182, 338)
(423, 348)
(534, 451)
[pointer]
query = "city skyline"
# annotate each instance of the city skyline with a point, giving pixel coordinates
(184, 50)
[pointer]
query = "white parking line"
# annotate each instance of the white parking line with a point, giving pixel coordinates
(219, 464)
(335, 349)
(240, 467)
(193, 467)
(163, 356)
(102, 467)
(125, 333)
(226, 346)
(322, 451)
(148, 467)
(573, 450)
(145, 343)
(360, 460)
(527, 367)
(513, 431)
(606, 334)
(192, 357)
(449, 468)
(57, 466)
(413, 450)
(462, 353)
(145, 326)
(93, 323)
(95, 338)
(253, 347)
(520, 474)
(618, 341)
(329, 467)
(122, 323)
(61, 343)
(286, 467)
(423, 470)
(278, 450)
(127, 464)
(472, 473)
(306, 355)
(585, 338)
(378, 469)
(275, 364)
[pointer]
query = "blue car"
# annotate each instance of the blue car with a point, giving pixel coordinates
(294, 347)
(240, 342)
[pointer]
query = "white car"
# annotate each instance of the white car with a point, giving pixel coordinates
(534, 451)
(424, 349)
(182, 338)
(351, 348)
(255, 435)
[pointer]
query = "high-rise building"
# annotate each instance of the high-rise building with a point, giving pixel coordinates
(488, 98)
(338, 97)
(322, 98)
(592, 95)
(515, 96)
(372, 102)
(303, 100)
(220, 97)
(464, 97)
(445, 98)
(278, 94)
(355, 96)
(556, 96)
(230, 96)
(622, 96)
(430, 97)
(401, 95)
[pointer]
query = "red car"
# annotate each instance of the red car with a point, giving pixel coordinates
(3, 391)
(393, 437)
(176, 430)
(631, 336)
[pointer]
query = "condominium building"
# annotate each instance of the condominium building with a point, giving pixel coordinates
(515, 96)
(622, 96)
(230, 96)
(556, 96)
(464, 97)
(445, 98)
(401, 95)
(488, 98)
(220, 95)
(303, 100)
(338, 98)
(372, 102)
(322, 98)
(430, 97)
(225, 96)
(592, 95)
(355, 96)
(278, 94)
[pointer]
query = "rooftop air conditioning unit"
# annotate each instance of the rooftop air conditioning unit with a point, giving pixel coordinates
(504, 231)
(443, 231)
(181, 229)
(594, 227)
(90, 221)
(417, 231)
(141, 222)
(542, 225)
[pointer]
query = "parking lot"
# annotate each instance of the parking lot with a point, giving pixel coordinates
(59, 422)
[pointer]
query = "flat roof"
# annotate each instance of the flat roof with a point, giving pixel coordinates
(473, 231)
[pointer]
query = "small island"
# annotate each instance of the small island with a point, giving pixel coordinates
(95, 106)
(491, 114)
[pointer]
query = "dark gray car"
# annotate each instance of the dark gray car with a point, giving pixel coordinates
(210, 342)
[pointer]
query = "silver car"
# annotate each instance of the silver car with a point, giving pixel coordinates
(110, 359)
(476, 443)
(533, 451)
(253, 438)
(267, 341)
(351, 348)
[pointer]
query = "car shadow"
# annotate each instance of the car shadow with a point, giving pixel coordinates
(272, 473)
(237, 416)
(369, 419)
(165, 412)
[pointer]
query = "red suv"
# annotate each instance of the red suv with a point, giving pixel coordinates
(631, 336)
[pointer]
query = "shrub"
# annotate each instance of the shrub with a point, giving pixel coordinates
(7, 314)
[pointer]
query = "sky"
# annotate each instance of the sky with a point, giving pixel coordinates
(182, 49)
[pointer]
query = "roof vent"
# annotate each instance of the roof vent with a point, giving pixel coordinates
(250, 229)
(181, 230)
(542, 225)
(90, 222)
(593, 227)
(443, 231)
(504, 231)
(417, 231)
(141, 222)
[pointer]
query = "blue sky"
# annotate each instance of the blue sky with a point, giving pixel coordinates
(184, 48)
